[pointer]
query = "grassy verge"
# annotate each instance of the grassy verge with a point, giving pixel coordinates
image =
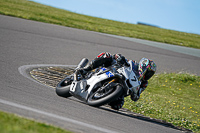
(38, 12)
(11, 123)
(172, 97)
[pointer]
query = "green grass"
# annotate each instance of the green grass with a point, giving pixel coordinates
(38, 12)
(174, 98)
(11, 123)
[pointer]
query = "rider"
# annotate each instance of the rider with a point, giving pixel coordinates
(106, 59)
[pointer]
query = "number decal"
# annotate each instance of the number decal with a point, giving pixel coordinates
(73, 87)
(134, 79)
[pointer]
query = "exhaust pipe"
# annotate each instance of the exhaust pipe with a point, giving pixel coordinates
(82, 63)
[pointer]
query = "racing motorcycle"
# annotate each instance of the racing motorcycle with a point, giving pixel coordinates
(100, 86)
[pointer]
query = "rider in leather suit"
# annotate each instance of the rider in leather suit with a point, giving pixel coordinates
(106, 59)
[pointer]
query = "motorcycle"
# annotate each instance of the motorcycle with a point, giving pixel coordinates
(100, 86)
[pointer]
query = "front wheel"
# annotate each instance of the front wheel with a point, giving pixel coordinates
(100, 98)
(63, 88)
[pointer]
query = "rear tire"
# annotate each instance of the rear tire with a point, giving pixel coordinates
(118, 90)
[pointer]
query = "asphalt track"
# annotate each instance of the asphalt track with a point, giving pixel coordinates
(24, 42)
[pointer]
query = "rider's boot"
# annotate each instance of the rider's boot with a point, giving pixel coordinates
(85, 70)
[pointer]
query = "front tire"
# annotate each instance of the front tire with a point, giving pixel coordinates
(117, 91)
(63, 89)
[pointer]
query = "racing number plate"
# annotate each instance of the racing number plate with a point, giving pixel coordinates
(73, 86)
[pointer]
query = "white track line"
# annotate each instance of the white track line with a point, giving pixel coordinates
(56, 116)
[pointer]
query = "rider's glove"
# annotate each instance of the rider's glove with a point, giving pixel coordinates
(120, 59)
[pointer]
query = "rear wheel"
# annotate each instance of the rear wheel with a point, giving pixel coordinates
(105, 95)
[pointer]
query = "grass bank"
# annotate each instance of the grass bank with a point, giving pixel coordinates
(38, 12)
(11, 123)
(171, 97)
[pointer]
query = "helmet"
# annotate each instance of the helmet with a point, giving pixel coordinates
(146, 69)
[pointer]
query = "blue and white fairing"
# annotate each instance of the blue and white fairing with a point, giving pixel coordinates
(83, 88)
(131, 79)
(98, 77)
